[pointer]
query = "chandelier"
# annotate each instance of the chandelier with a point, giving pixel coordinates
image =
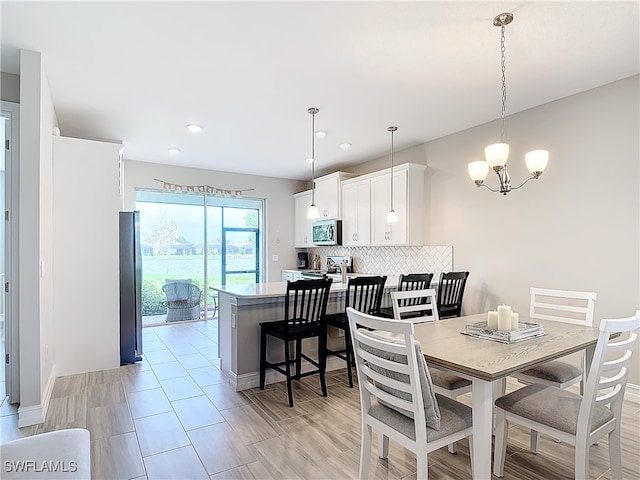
(496, 155)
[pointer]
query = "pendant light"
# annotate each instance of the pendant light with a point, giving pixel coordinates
(313, 211)
(392, 216)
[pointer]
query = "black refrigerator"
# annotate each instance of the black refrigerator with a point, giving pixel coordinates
(130, 288)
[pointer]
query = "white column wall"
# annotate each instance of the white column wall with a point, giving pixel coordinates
(37, 358)
(85, 244)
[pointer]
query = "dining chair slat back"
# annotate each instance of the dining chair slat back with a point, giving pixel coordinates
(396, 396)
(578, 420)
(406, 282)
(365, 295)
(567, 306)
(562, 305)
(417, 306)
(450, 293)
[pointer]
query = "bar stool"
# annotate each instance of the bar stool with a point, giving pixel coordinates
(305, 304)
(365, 295)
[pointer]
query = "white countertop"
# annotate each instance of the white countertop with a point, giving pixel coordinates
(272, 289)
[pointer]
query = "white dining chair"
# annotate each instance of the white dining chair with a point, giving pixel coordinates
(419, 306)
(396, 394)
(578, 420)
(561, 306)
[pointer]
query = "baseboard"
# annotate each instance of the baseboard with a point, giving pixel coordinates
(632, 393)
(252, 380)
(28, 416)
(35, 414)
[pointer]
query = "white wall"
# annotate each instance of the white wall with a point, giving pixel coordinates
(279, 211)
(575, 228)
(85, 245)
(37, 359)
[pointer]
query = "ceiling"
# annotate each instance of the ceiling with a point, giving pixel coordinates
(139, 72)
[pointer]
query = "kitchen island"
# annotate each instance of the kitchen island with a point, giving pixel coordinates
(241, 308)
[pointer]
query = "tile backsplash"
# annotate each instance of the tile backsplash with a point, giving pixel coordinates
(392, 261)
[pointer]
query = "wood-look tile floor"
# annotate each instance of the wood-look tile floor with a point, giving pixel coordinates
(174, 416)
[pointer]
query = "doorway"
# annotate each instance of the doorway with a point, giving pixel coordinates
(196, 239)
(9, 374)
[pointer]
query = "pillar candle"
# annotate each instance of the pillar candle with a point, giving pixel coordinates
(504, 318)
(492, 319)
(515, 321)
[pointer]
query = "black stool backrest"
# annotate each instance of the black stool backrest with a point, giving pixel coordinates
(450, 292)
(414, 281)
(306, 301)
(365, 293)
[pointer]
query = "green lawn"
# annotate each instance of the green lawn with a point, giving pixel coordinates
(157, 269)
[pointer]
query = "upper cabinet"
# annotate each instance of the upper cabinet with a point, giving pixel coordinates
(329, 194)
(303, 226)
(356, 208)
(367, 200)
(383, 233)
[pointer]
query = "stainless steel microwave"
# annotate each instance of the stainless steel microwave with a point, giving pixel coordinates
(327, 232)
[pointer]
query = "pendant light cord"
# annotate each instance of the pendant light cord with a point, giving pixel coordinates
(313, 111)
(313, 158)
(392, 169)
(392, 130)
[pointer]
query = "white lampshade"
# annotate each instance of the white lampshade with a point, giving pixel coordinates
(392, 217)
(313, 212)
(536, 161)
(497, 154)
(478, 171)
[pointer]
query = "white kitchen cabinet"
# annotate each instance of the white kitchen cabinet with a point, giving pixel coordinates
(356, 212)
(408, 203)
(302, 225)
(329, 194)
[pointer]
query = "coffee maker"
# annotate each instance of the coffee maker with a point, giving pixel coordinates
(303, 260)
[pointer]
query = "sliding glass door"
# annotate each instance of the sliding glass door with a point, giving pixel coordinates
(175, 228)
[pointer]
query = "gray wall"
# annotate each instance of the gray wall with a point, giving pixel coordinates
(575, 228)
(9, 87)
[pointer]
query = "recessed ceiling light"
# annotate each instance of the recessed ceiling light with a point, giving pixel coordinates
(194, 127)
(345, 146)
(174, 151)
(321, 134)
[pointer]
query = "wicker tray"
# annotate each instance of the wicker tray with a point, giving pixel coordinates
(525, 331)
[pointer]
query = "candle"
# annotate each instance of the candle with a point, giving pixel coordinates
(504, 318)
(492, 319)
(515, 320)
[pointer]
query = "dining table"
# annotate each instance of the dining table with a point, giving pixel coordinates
(488, 362)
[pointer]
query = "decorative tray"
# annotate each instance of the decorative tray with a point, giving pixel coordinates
(525, 331)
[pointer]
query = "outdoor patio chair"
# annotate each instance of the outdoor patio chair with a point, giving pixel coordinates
(183, 300)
